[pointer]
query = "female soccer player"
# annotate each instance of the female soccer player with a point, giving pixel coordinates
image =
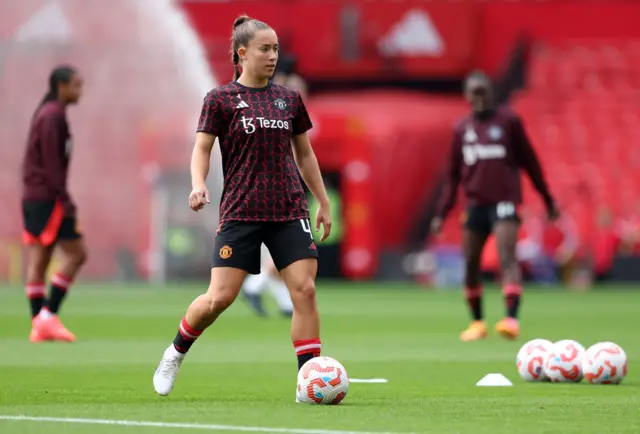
(263, 200)
(48, 210)
(489, 148)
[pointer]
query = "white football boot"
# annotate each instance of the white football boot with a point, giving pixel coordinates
(167, 371)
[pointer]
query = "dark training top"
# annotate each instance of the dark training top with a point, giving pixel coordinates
(487, 154)
(255, 127)
(46, 161)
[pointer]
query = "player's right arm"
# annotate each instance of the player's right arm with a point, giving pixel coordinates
(200, 158)
(452, 181)
(208, 129)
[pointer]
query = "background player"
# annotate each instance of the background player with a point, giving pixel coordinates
(489, 148)
(48, 210)
(287, 75)
(269, 278)
(263, 200)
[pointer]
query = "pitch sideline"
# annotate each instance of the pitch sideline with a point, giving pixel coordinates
(205, 427)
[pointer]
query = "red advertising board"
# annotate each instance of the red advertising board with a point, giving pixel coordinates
(365, 39)
(552, 22)
(410, 38)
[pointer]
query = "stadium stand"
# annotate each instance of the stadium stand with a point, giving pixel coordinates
(581, 108)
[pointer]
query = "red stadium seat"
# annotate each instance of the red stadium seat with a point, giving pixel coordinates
(582, 109)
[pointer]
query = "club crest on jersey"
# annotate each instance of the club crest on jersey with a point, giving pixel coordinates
(281, 104)
(494, 132)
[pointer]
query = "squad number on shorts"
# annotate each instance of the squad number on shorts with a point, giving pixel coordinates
(505, 209)
(306, 226)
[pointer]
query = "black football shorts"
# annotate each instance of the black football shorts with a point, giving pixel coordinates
(238, 244)
(45, 223)
(482, 218)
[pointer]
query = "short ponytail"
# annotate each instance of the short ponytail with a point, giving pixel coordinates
(50, 96)
(236, 60)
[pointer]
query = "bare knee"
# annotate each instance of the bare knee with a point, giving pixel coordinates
(219, 299)
(219, 303)
(79, 257)
(36, 272)
(38, 262)
(304, 292)
(74, 256)
(37, 268)
(205, 309)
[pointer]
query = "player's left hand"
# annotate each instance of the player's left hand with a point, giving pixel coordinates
(323, 216)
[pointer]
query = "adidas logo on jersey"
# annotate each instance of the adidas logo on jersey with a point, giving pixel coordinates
(242, 105)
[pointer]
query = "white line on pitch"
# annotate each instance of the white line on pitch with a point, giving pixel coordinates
(179, 425)
(368, 380)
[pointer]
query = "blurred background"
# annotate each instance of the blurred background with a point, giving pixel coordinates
(382, 80)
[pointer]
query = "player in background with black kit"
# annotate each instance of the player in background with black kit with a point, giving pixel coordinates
(49, 212)
(490, 147)
(262, 130)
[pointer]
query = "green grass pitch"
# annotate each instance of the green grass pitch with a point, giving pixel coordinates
(242, 371)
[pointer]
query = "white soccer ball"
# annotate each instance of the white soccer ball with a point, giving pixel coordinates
(322, 380)
(530, 359)
(605, 363)
(564, 362)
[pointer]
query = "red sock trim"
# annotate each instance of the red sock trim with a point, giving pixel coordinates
(61, 281)
(307, 346)
(35, 290)
(475, 292)
(512, 289)
(189, 332)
